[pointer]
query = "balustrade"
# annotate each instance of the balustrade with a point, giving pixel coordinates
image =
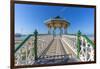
(24, 53)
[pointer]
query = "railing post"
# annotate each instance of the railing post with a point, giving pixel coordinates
(35, 44)
(78, 43)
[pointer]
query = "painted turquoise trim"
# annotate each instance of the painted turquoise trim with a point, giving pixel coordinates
(88, 40)
(21, 44)
(78, 43)
(35, 44)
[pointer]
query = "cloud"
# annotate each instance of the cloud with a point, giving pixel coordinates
(63, 9)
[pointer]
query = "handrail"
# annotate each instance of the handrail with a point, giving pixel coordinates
(89, 40)
(78, 41)
(21, 44)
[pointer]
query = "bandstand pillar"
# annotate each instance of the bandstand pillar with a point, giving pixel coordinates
(57, 22)
(49, 30)
(54, 31)
(65, 30)
(61, 31)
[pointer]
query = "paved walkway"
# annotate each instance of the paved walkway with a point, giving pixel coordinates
(55, 53)
(56, 48)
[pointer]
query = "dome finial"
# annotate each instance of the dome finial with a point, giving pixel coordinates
(57, 17)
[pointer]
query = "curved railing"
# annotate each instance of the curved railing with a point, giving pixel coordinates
(25, 51)
(43, 43)
(85, 48)
(70, 45)
(21, 44)
(79, 46)
(88, 40)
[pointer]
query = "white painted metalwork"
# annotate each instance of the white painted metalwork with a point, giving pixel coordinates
(70, 40)
(25, 54)
(86, 50)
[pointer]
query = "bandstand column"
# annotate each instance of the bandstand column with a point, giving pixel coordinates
(54, 31)
(49, 28)
(65, 30)
(61, 31)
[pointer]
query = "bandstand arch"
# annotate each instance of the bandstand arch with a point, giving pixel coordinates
(57, 22)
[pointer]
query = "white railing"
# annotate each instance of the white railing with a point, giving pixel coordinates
(71, 42)
(24, 53)
(81, 45)
(86, 49)
(43, 42)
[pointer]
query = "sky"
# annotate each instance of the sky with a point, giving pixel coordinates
(29, 17)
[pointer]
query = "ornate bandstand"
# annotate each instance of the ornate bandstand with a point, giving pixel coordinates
(57, 22)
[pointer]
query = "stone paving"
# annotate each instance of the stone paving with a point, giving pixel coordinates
(55, 54)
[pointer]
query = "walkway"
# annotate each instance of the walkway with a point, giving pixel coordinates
(55, 53)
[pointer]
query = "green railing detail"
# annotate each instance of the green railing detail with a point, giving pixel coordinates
(21, 44)
(35, 44)
(78, 43)
(88, 40)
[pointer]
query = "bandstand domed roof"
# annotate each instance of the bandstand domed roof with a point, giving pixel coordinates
(57, 22)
